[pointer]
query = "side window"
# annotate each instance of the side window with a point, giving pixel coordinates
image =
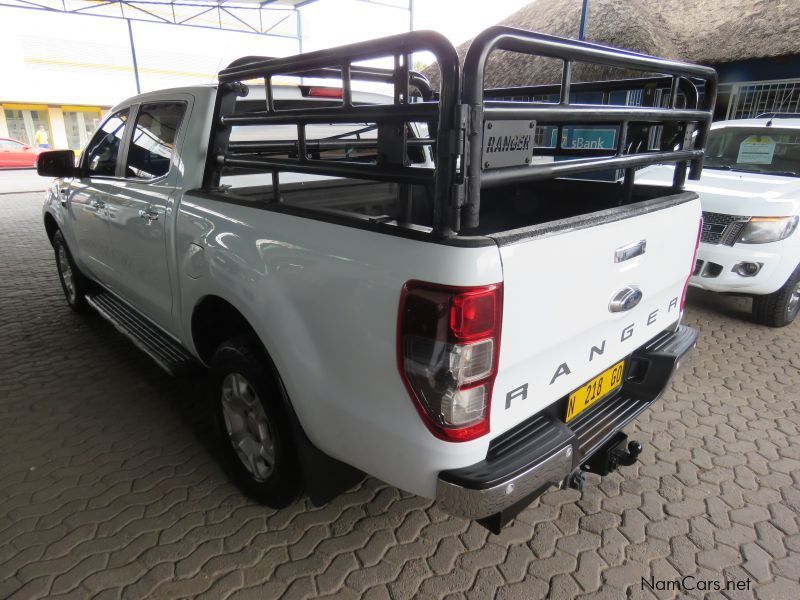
(11, 145)
(153, 139)
(103, 150)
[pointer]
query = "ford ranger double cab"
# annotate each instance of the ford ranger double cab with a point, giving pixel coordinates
(430, 286)
(750, 195)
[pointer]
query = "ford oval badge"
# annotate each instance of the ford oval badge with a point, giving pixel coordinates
(625, 299)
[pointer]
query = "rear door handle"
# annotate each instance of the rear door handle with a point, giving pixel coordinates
(149, 214)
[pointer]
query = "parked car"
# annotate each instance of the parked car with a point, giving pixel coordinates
(750, 192)
(17, 155)
(390, 285)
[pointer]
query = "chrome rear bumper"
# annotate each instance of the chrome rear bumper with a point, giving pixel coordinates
(543, 451)
(476, 503)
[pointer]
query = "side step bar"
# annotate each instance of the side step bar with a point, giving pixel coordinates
(168, 354)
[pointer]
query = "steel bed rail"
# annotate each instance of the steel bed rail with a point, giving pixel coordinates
(685, 86)
(570, 51)
(457, 115)
(338, 63)
(359, 72)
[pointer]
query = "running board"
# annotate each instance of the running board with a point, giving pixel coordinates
(168, 354)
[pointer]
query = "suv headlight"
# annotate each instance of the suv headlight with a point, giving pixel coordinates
(761, 230)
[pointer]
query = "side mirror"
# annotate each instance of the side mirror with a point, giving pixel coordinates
(57, 163)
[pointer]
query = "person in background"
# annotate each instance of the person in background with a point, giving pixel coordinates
(42, 140)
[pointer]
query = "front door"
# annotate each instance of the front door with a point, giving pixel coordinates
(139, 208)
(86, 197)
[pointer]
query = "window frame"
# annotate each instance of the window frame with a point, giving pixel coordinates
(123, 164)
(84, 164)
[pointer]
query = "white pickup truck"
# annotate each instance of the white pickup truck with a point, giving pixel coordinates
(750, 193)
(413, 286)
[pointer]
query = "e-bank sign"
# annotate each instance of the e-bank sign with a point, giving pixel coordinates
(574, 138)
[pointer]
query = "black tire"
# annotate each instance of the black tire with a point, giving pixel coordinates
(245, 358)
(780, 308)
(73, 283)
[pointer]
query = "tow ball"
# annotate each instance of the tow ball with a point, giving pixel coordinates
(611, 456)
(614, 454)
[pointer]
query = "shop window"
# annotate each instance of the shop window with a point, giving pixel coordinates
(23, 123)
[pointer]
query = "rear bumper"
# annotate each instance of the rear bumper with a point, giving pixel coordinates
(543, 451)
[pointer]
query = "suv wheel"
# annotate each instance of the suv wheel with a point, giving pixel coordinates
(779, 308)
(252, 425)
(73, 283)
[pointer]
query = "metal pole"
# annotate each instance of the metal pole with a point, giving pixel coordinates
(300, 36)
(410, 57)
(133, 56)
(299, 30)
(584, 14)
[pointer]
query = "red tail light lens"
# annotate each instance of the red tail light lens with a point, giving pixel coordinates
(323, 92)
(448, 342)
(694, 261)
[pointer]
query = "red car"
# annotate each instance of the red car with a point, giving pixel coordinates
(16, 154)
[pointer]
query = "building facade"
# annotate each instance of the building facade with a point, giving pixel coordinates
(64, 71)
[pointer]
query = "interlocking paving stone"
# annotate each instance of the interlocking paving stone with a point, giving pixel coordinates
(109, 485)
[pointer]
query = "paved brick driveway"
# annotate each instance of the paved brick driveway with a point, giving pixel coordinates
(108, 485)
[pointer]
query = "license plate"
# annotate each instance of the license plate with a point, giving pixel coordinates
(595, 390)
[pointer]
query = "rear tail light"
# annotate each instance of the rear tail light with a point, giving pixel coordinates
(448, 342)
(694, 262)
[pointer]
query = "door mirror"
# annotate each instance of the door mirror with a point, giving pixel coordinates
(57, 163)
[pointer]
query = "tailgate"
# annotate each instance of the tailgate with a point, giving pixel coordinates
(558, 330)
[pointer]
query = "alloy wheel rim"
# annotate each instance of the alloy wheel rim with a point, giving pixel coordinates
(794, 301)
(248, 426)
(66, 272)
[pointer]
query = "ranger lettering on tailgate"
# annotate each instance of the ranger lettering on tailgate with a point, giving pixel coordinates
(563, 369)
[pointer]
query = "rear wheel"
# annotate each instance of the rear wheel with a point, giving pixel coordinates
(252, 424)
(73, 283)
(779, 308)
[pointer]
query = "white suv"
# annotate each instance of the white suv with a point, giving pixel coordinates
(750, 193)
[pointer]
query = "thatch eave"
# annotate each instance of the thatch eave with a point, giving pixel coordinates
(707, 31)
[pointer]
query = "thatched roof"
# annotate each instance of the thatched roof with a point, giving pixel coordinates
(703, 31)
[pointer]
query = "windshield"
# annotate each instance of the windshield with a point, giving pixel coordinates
(754, 150)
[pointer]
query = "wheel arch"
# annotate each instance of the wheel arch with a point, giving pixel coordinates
(50, 226)
(215, 320)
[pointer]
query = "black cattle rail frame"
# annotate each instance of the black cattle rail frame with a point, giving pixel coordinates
(459, 113)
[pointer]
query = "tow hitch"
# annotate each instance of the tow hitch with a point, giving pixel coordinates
(611, 456)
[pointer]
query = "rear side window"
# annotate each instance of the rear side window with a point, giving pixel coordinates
(103, 150)
(153, 139)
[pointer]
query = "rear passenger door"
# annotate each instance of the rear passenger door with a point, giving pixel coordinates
(86, 197)
(140, 210)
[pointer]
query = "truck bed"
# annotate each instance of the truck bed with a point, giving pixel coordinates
(543, 206)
